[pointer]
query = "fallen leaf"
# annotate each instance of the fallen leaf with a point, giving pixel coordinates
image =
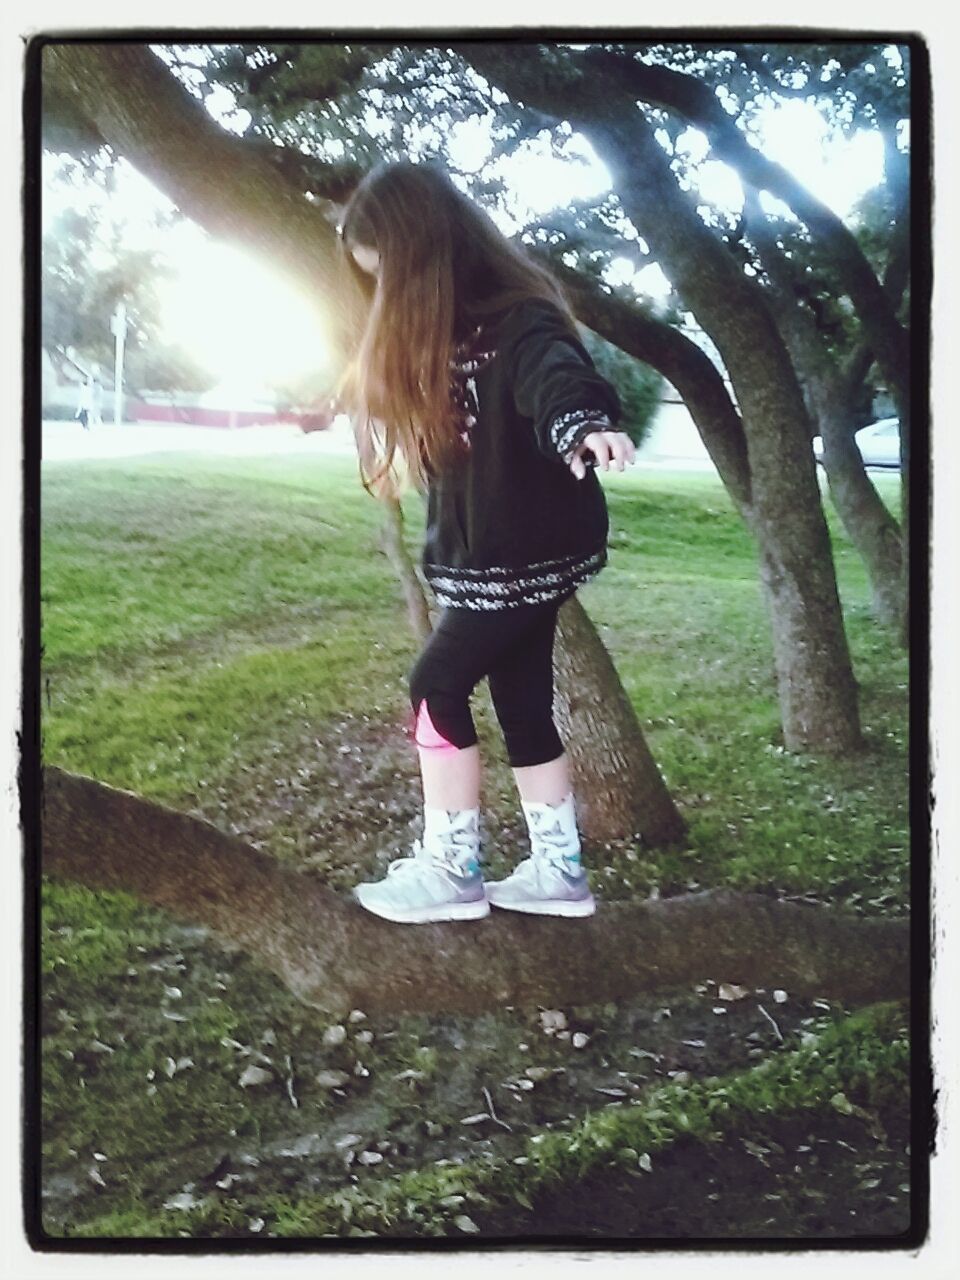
(552, 1020)
(331, 1079)
(729, 991)
(182, 1200)
(255, 1075)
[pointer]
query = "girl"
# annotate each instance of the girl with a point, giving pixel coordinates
(469, 366)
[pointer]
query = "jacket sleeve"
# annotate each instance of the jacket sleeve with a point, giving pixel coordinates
(557, 385)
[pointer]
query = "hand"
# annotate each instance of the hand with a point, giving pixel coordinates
(607, 446)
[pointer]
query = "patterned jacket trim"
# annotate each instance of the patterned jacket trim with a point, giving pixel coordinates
(450, 579)
(451, 594)
(565, 428)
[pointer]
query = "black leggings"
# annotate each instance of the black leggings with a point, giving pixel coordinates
(513, 648)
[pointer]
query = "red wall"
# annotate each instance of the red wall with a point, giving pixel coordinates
(194, 415)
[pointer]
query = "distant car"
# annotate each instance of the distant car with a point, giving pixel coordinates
(879, 444)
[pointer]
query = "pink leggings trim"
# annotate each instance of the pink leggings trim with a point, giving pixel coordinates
(426, 733)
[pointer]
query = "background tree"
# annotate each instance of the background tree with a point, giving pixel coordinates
(86, 271)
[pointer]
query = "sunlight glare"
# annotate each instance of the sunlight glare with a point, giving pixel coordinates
(238, 317)
(836, 170)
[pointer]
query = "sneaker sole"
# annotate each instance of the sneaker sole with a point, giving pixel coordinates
(584, 907)
(429, 915)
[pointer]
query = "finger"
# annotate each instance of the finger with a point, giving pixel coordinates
(617, 448)
(626, 445)
(600, 445)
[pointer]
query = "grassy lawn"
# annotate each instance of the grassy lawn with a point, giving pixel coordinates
(224, 635)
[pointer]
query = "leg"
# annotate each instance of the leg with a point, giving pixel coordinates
(463, 648)
(552, 881)
(544, 783)
(442, 881)
(521, 688)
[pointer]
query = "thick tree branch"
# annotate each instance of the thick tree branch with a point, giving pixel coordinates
(334, 956)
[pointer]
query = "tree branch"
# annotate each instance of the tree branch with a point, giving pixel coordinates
(334, 956)
(608, 86)
(235, 191)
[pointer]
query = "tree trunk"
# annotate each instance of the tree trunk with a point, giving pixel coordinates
(334, 956)
(816, 715)
(393, 546)
(830, 392)
(869, 525)
(816, 684)
(618, 786)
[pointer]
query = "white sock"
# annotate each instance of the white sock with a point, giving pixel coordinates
(559, 822)
(453, 834)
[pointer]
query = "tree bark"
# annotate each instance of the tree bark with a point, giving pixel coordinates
(334, 956)
(619, 789)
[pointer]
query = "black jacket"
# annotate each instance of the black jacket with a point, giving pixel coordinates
(512, 524)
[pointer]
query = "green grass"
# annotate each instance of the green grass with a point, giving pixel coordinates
(200, 616)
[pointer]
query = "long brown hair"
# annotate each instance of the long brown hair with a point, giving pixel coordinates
(445, 267)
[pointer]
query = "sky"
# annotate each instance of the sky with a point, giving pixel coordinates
(246, 324)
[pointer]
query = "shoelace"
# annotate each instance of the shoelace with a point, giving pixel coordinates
(422, 859)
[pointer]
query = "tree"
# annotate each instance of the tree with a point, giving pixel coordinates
(87, 270)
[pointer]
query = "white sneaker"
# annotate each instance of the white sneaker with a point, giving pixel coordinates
(424, 888)
(542, 887)
(551, 881)
(441, 881)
